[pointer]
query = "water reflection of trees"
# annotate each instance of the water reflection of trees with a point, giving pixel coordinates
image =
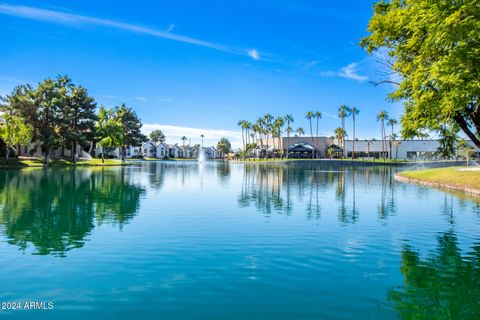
(56, 209)
(279, 188)
(446, 285)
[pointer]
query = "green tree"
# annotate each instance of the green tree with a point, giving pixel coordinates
(131, 126)
(310, 115)
(278, 125)
(331, 152)
(300, 132)
(465, 151)
(343, 112)
(157, 136)
(267, 129)
(354, 112)
(382, 116)
(289, 119)
(447, 144)
(183, 144)
(340, 135)
(14, 132)
(318, 116)
(243, 124)
(391, 122)
(434, 47)
(77, 115)
(109, 130)
(46, 116)
(224, 146)
(19, 104)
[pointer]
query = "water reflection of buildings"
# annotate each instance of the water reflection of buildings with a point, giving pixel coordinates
(55, 210)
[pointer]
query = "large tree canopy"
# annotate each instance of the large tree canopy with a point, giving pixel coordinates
(434, 46)
(132, 136)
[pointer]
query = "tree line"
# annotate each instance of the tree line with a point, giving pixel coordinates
(57, 113)
(257, 135)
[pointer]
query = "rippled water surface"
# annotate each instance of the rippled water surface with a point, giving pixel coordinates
(179, 240)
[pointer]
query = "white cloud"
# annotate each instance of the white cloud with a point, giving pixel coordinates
(349, 72)
(107, 96)
(254, 54)
(174, 134)
(60, 17)
(170, 28)
(140, 98)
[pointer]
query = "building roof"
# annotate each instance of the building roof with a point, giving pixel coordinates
(301, 147)
(335, 147)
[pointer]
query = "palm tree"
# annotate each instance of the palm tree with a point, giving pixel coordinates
(340, 134)
(278, 125)
(354, 112)
(241, 124)
(396, 143)
(268, 126)
(260, 124)
(383, 116)
(373, 140)
(248, 126)
(300, 132)
(368, 147)
(310, 115)
(273, 131)
(289, 119)
(256, 132)
(183, 140)
(391, 122)
(343, 112)
(317, 115)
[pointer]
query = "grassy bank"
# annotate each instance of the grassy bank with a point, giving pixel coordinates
(24, 163)
(450, 177)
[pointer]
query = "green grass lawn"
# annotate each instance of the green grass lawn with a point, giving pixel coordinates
(447, 176)
(16, 163)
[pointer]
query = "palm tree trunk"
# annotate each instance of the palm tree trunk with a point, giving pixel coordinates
(266, 151)
(243, 142)
(353, 141)
(273, 150)
(311, 136)
(316, 132)
(343, 136)
(383, 140)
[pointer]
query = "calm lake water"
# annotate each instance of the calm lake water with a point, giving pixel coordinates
(179, 240)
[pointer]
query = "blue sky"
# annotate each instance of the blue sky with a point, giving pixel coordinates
(192, 67)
